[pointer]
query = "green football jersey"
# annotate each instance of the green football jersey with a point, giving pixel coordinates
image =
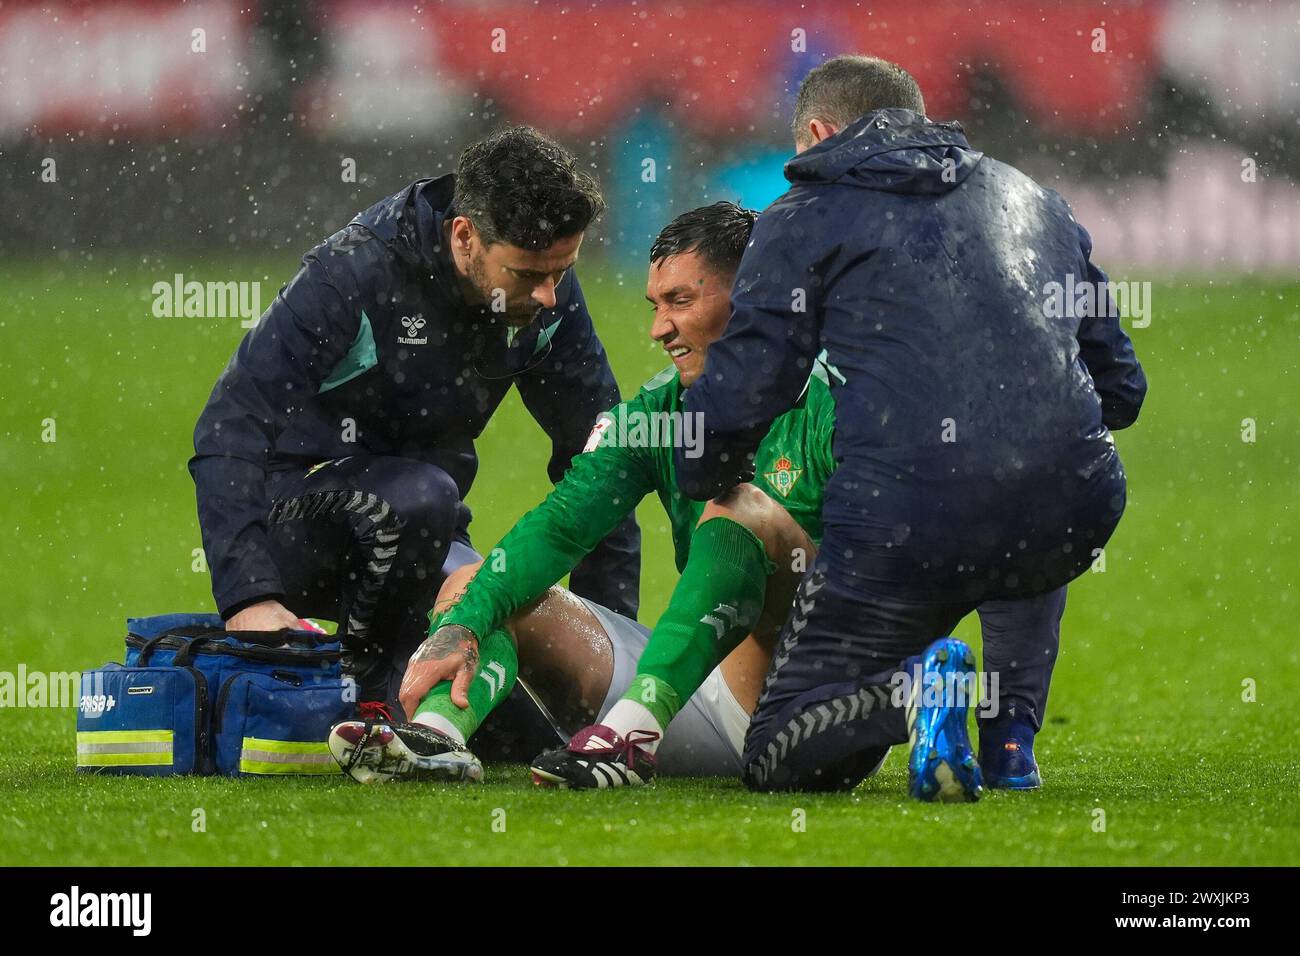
(628, 456)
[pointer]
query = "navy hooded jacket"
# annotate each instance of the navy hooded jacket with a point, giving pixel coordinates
(921, 267)
(374, 331)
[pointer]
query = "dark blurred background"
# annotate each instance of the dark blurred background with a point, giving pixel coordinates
(124, 129)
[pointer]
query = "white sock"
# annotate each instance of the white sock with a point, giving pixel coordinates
(441, 724)
(629, 715)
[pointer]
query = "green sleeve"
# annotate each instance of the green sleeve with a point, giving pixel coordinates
(602, 486)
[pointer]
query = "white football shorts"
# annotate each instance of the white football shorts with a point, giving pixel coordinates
(707, 737)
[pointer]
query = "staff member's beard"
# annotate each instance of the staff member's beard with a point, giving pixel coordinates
(515, 315)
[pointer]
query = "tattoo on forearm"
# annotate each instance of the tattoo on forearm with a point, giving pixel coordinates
(446, 641)
(447, 603)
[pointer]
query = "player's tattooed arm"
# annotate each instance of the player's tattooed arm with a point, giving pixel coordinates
(446, 602)
(447, 640)
(450, 653)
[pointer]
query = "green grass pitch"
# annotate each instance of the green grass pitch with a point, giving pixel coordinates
(1147, 731)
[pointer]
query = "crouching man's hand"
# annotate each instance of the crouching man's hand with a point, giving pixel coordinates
(449, 653)
(267, 615)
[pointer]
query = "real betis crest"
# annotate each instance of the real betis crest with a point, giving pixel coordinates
(783, 476)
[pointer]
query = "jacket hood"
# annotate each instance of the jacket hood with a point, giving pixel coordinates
(895, 151)
(411, 222)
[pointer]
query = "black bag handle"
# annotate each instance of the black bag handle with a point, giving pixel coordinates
(191, 630)
(277, 638)
(146, 649)
(264, 638)
(191, 642)
(185, 655)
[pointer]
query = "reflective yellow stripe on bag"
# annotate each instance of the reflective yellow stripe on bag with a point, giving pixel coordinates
(124, 748)
(285, 756)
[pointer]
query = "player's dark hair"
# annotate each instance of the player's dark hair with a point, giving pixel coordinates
(718, 233)
(519, 187)
(844, 88)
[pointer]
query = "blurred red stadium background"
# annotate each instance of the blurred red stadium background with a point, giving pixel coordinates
(1167, 124)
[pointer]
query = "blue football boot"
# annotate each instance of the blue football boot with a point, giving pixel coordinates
(942, 765)
(1007, 755)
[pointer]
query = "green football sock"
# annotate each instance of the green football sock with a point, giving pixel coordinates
(497, 669)
(716, 603)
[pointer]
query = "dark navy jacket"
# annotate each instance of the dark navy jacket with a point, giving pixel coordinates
(374, 329)
(920, 266)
